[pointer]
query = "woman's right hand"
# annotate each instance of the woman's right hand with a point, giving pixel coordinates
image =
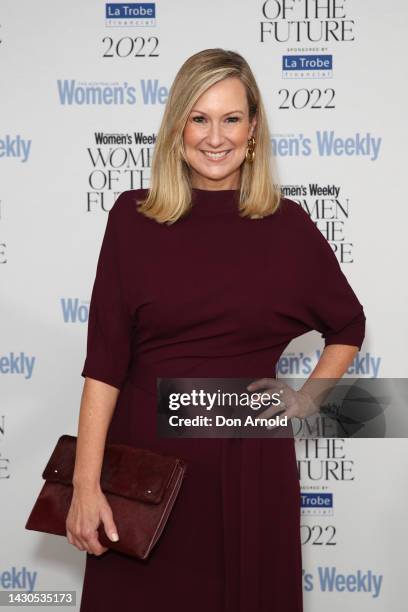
(89, 507)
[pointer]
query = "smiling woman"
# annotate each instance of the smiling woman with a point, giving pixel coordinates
(177, 296)
(216, 135)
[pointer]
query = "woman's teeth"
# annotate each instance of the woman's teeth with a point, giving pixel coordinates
(219, 155)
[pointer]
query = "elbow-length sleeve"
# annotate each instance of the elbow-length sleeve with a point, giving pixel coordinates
(326, 301)
(109, 322)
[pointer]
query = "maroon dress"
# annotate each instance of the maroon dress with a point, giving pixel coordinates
(212, 295)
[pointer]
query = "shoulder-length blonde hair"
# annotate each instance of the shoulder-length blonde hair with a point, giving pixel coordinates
(170, 192)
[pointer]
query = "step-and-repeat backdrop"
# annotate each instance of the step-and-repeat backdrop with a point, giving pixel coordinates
(72, 75)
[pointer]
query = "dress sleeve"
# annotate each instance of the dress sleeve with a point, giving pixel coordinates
(110, 322)
(327, 303)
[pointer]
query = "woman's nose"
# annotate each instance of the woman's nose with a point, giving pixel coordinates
(215, 136)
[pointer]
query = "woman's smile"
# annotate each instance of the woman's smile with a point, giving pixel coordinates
(215, 156)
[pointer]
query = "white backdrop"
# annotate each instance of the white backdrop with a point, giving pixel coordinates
(337, 128)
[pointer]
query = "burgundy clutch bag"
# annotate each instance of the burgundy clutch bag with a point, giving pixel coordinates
(141, 487)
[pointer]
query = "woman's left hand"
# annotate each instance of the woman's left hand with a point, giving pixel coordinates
(292, 403)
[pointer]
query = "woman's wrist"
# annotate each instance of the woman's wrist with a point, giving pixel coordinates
(318, 389)
(86, 483)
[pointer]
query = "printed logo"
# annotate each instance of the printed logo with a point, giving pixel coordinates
(316, 504)
(15, 147)
(74, 310)
(83, 93)
(134, 14)
(307, 66)
(332, 580)
(326, 143)
(14, 578)
(72, 92)
(17, 363)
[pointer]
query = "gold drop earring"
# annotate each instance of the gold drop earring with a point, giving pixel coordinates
(250, 152)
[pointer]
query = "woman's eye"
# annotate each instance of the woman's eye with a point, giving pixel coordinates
(201, 119)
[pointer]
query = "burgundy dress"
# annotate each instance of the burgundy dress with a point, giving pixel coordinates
(212, 295)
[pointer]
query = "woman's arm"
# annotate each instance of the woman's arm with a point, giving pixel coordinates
(98, 402)
(333, 363)
(110, 326)
(89, 506)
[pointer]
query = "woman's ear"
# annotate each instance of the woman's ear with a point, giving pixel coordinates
(252, 128)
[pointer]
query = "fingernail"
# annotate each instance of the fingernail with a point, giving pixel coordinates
(114, 537)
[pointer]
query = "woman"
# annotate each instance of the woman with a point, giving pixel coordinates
(210, 273)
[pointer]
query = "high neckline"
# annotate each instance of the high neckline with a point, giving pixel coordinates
(209, 202)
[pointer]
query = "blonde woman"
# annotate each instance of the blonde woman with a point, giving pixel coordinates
(210, 273)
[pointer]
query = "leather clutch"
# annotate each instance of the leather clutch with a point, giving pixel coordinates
(140, 485)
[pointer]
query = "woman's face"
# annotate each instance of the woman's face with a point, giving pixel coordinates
(216, 135)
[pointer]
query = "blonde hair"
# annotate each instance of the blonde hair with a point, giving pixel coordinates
(169, 197)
